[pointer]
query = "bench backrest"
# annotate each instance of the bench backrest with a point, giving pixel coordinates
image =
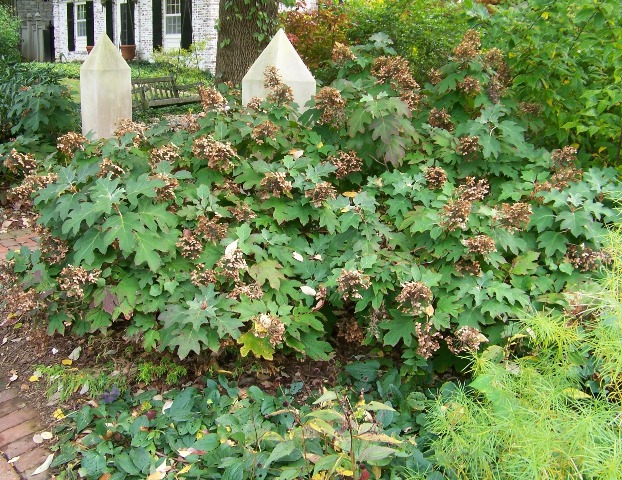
(145, 90)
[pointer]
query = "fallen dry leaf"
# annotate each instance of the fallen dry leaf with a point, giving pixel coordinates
(44, 466)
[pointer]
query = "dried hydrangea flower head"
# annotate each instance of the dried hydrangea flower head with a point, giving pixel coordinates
(455, 214)
(268, 326)
(466, 339)
(473, 189)
(125, 126)
(108, 167)
(440, 119)
(346, 163)
(435, 178)
(320, 193)
(190, 246)
(329, 100)
(264, 131)
(427, 342)
(212, 229)
(219, 155)
(480, 245)
(69, 143)
(275, 184)
(20, 163)
(281, 93)
(515, 217)
(414, 298)
(212, 99)
(165, 153)
(72, 279)
(350, 282)
(469, 47)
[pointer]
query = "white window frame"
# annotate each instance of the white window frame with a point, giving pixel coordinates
(80, 22)
(171, 40)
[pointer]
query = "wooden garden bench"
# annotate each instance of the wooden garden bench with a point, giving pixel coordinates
(162, 92)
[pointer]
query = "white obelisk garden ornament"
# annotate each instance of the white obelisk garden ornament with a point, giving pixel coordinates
(279, 53)
(105, 89)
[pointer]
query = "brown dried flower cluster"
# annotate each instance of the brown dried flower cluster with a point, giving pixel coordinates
(281, 93)
(231, 264)
(467, 266)
(125, 126)
(495, 89)
(350, 331)
(473, 190)
(20, 163)
(69, 143)
(72, 280)
(515, 217)
(468, 147)
(108, 167)
(466, 339)
(263, 131)
(455, 214)
(320, 193)
(565, 171)
(584, 258)
(350, 282)
(167, 192)
(53, 249)
(202, 276)
(414, 298)
(191, 247)
(276, 184)
(530, 108)
(266, 325)
(255, 104)
(20, 196)
(495, 58)
(212, 229)
(165, 153)
(440, 119)
(470, 86)
(330, 100)
(342, 53)
(346, 163)
(480, 244)
(564, 157)
(242, 212)
(435, 76)
(211, 99)
(435, 177)
(252, 291)
(219, 155)
(469, 48)
(427, 342)
(396, 70)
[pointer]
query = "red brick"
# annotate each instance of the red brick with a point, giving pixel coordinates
(6, 471)
(11, 406)
(17, 432)
(8, 394)
(31, 460)
(9, 243)
(15, 418)
(19, 446)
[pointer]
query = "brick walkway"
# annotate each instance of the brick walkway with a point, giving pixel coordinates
(18, 424)
(15, 239)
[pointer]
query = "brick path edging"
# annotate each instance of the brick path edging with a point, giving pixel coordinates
(18, 423)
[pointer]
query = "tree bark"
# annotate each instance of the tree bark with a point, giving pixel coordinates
(239, 24)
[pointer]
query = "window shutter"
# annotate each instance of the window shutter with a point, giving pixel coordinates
(90, 24)
(109, 20)
(71, 33)
(186, 24)
(157, 23)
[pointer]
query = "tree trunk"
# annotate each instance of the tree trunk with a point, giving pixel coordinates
(240, 23)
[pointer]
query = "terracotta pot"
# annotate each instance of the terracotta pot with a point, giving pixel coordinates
(89, 48)
(128, 52)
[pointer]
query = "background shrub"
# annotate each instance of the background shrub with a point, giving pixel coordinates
(422, 31)
(566, 62)
(9, 35)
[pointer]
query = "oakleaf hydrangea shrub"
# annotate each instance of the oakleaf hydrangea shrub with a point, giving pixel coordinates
(389, 214)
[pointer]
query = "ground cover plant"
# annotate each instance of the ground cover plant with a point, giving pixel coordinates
(388, 215)
(566, 64)
(546, 406)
